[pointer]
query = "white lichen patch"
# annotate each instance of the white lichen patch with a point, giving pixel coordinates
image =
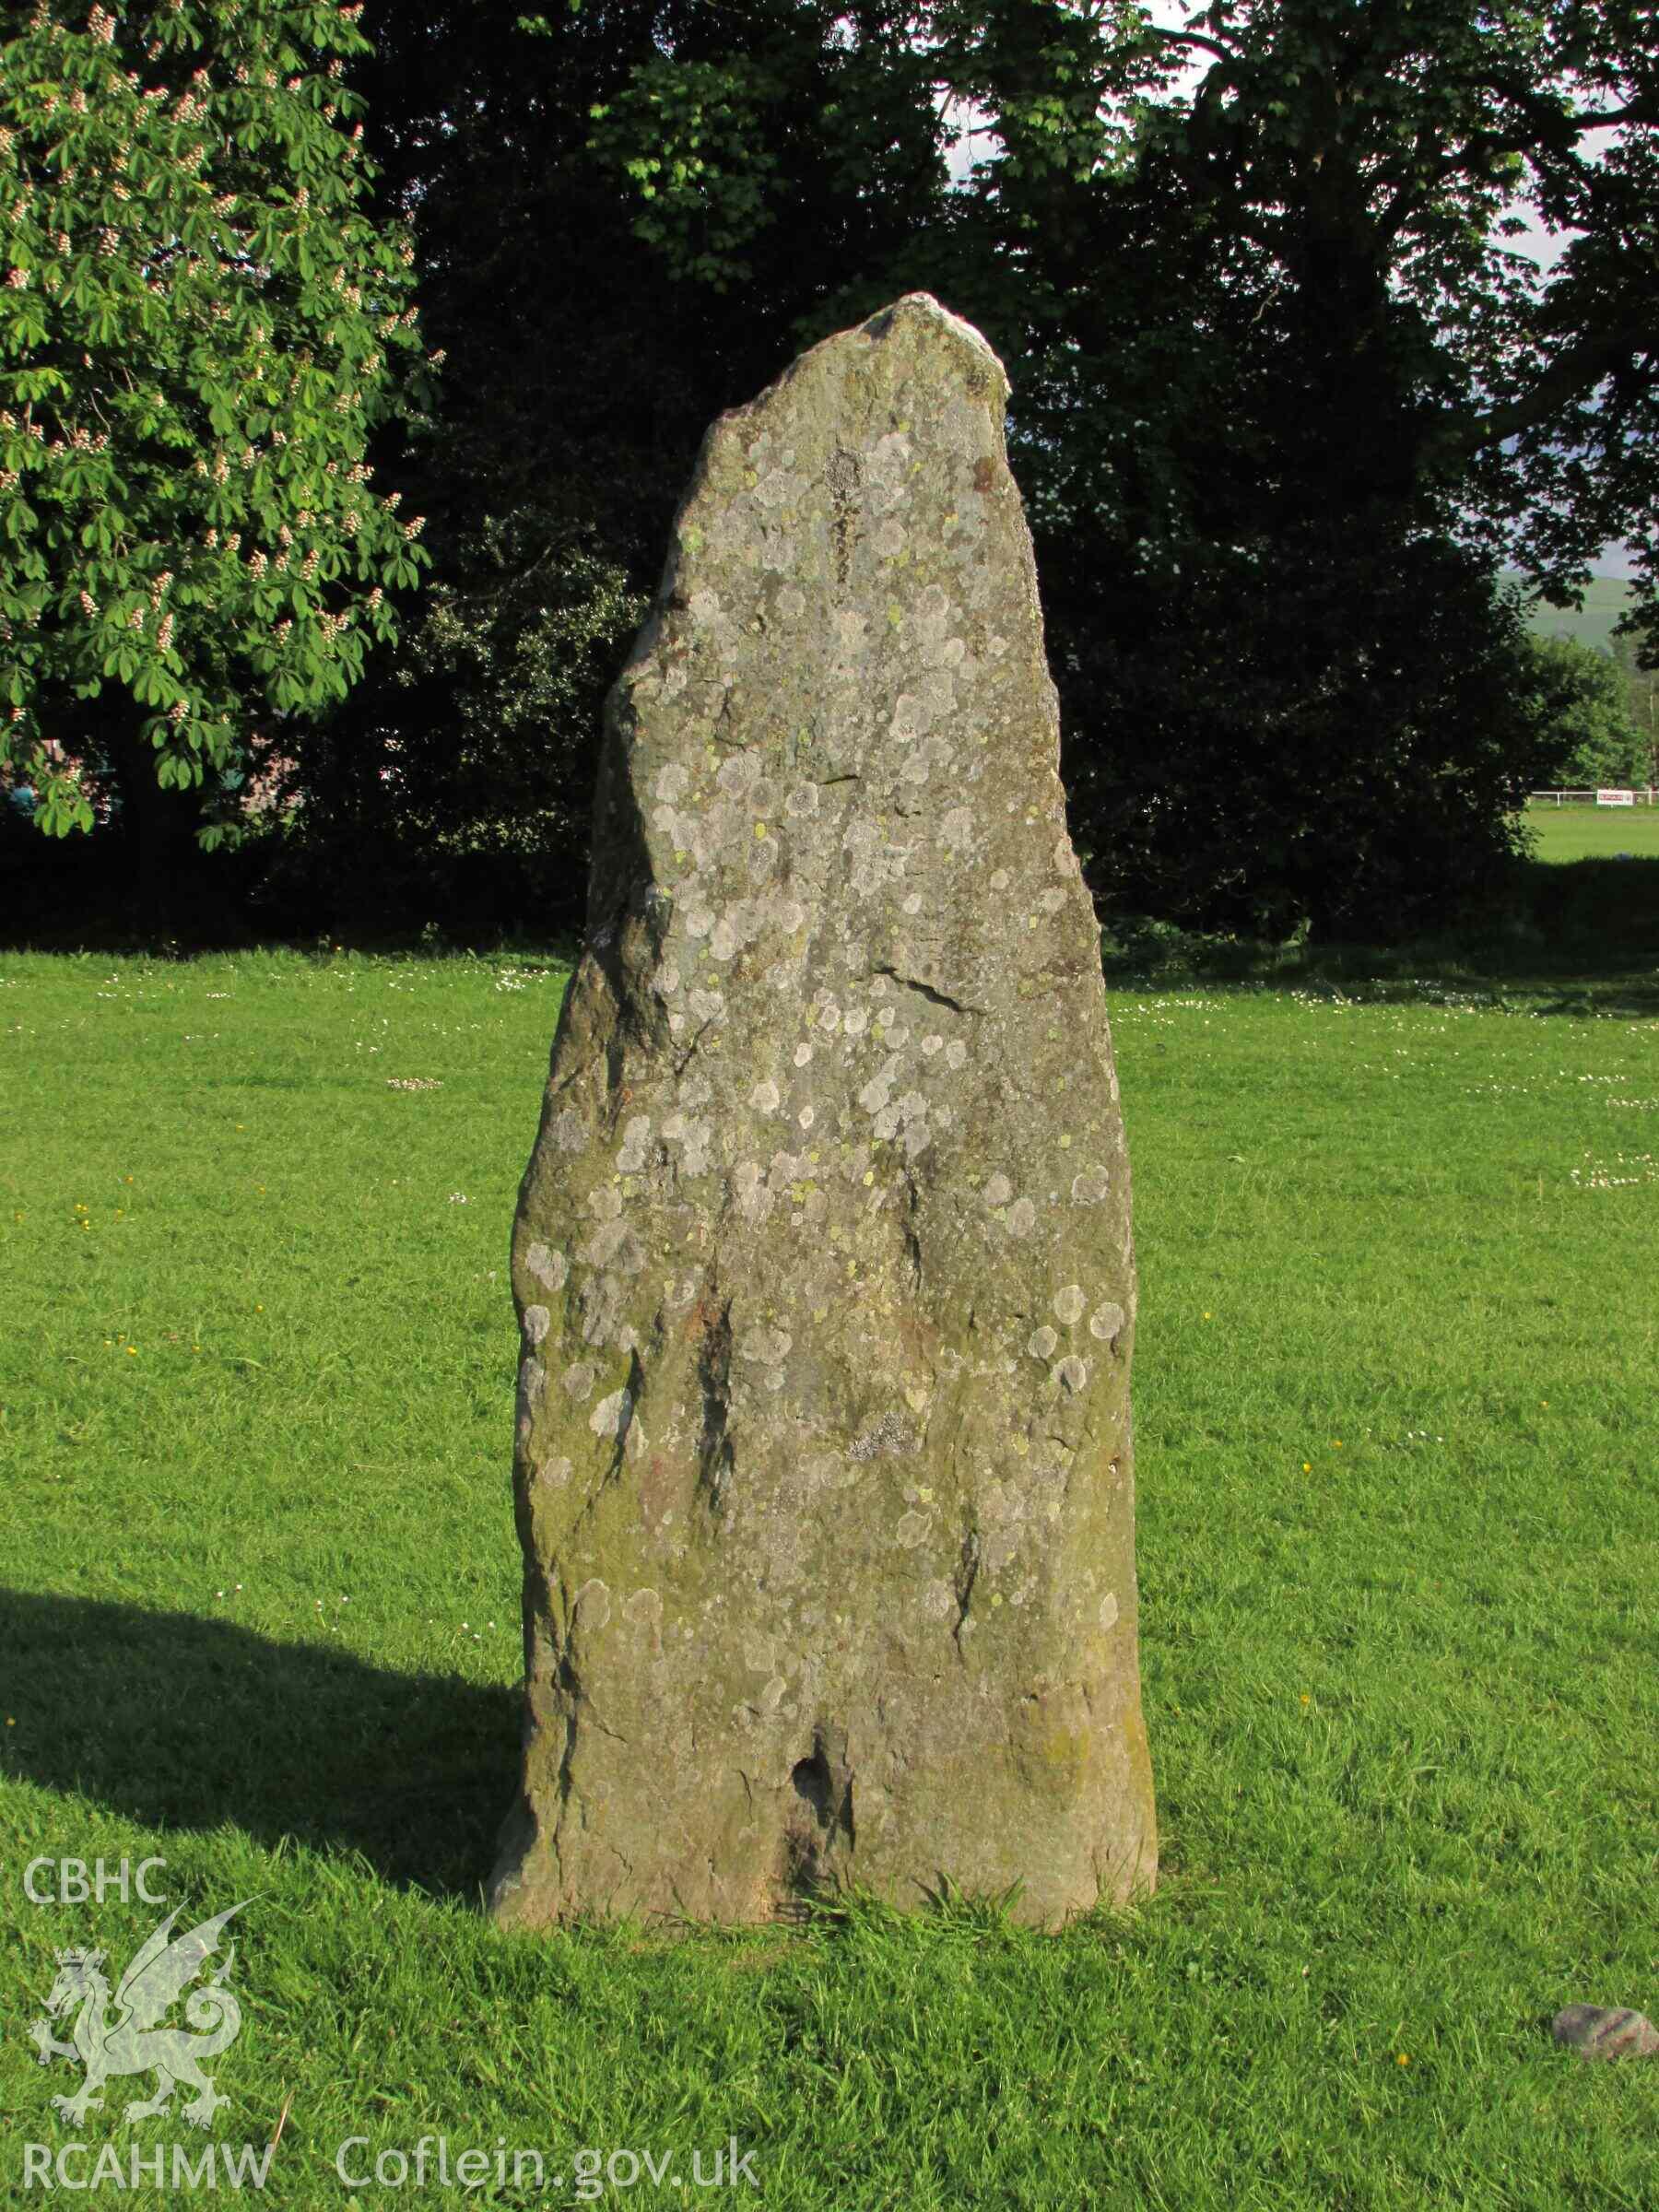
(887, 471)
(875, 1093)
(635, 1148)
(1106, 1321)
(755, 1201)
(1089, 1188)
(550, 1268)
(578, 1379)
(998, 1190)
(645, 1610)
(1022, 1218)
(1069, 1303)
(912, 1527)
(616, 1245)
(1042, 1342)
(1072, 1373)
(766, 1097)
(534, 1325)
(611, 1416)
(778, 488)
(905, 1119)
(1109, 1610)
(765, 1345)
(939, 1600)
(555, 1473)
(592, 1605)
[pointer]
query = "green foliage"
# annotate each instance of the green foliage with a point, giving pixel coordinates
(689, 136)
(1642, 701)
(587, 344)
(1285, 397)
(466, 802)
(197, 327)
(1582, 698)
(1299, 732)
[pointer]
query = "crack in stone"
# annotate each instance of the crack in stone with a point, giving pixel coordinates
(928, 991)
(967, 1575)
(713, 1377)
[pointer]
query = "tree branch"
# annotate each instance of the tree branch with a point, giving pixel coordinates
(1194, 38)
(1574, 373)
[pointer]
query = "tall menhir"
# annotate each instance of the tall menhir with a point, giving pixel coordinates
(823, 1258)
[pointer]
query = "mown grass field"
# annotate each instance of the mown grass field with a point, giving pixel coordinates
(1398, 1447)
(1568, 833)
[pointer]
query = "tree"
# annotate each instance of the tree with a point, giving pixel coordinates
(1641, 702)
(197, 328)
(1581, 697)
(1286, 396)
(1285, 393)
(627, 216)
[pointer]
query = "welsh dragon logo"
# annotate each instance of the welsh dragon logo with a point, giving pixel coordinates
(121, 2035)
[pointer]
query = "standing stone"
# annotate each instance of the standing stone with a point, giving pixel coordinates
(822, 1258)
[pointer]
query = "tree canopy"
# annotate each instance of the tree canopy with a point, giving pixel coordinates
(1581, 697)
(198, 323)
(1287, 396)
(1292, 388)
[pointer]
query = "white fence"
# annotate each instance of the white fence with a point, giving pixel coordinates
(1641, 796)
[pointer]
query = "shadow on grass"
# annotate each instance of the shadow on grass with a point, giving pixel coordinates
(180, 1723)
(1579, 938)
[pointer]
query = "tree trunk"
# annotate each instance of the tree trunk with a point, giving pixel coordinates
(158, 835)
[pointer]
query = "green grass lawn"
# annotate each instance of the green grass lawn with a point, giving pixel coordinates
(1567, 834)
(1398, 1447)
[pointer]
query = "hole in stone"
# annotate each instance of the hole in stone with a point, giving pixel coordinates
(813, 1786)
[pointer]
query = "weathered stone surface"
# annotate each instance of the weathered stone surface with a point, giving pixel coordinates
(1606, 2031)
(823, 1257)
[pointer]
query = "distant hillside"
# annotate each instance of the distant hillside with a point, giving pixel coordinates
(1606, 598)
